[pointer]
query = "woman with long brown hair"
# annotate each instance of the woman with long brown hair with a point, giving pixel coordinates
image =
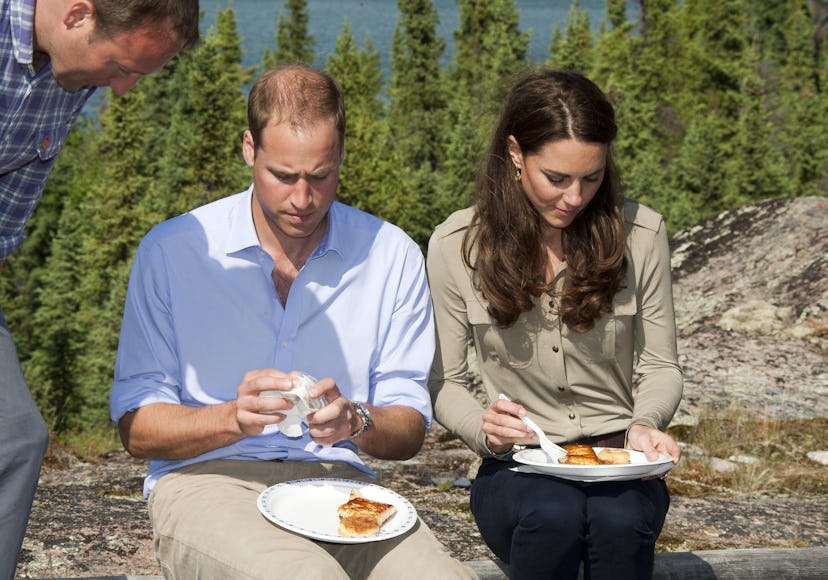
(563, 288)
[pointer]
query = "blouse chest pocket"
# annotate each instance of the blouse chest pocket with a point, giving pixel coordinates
(601, 343)
(513, 347)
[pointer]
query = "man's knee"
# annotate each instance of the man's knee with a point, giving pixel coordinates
(33, 436)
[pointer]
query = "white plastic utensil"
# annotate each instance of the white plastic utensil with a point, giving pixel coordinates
(554, 451)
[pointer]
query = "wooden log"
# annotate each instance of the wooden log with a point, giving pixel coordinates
(750, 564)
(753, 564)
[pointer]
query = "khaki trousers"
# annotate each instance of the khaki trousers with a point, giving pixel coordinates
(206, 525)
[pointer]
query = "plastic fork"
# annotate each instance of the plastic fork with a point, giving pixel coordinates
(551, 449)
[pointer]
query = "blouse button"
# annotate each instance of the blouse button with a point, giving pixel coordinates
(561, 389)
(554, 349)
(572, 416)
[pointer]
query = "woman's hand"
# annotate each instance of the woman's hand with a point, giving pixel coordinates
(504, 426)
(652, 443)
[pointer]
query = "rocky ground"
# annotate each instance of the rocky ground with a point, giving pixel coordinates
(752, 304)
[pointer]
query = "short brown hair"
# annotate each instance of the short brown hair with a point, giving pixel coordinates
(296, 94)
(113, 17)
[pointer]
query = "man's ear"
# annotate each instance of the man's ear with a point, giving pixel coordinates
(79, 13)
(248, 148)
(515, 152)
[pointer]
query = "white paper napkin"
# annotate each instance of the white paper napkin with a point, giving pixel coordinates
(303, 405)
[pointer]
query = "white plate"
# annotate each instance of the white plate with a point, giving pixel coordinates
(309, 507)
(638, 467)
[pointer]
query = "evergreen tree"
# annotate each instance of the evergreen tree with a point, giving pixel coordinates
(575, 51)
(631, 69)
(201, 159)
(416, 109)
(699, 105)
(417, 112)
(36, 282)
(359, 75)
(557, 44)
(373, 176)
(803, 105)
(770, 17)
(716, 37)
(99, 231)
(490, 50)
(754, 171)
(617, 13)
(294, 43)
(696, 176)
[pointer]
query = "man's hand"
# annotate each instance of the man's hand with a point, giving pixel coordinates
(254, 411)
(336, 420)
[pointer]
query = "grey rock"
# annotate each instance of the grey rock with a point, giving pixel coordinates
(819, 456)
(722, 465)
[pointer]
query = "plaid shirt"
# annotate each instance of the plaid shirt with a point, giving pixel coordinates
(36, 115)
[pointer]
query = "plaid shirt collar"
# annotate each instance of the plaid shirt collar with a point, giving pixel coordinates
(22, 25)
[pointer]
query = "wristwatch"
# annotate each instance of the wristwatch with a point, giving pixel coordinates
(365, 415)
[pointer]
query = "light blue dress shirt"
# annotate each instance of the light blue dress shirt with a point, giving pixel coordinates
(202, 310)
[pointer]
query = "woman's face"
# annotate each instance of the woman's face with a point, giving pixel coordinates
(562, 178)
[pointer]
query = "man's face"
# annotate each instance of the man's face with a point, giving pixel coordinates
(84, 59)
(295, 176)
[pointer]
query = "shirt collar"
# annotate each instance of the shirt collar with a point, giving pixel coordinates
(243, 231)
(22, 24)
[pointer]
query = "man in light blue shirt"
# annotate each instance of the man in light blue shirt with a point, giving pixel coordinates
(224, 302)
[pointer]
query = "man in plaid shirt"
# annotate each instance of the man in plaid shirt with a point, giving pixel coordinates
(53, 55)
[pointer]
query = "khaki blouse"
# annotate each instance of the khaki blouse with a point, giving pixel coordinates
(574, 385)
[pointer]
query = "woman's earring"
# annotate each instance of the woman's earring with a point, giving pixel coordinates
(518, 173)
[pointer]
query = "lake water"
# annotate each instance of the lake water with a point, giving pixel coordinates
(257, 20)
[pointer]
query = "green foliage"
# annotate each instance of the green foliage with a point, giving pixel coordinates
(802, 105)
(755, 170)
(294, 43)
(201, 159)
(359, 74)
(616, 13)
(490, 50)
(574, 50)
(417, 103)
(719, 103)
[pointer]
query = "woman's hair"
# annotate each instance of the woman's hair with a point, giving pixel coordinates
(298, 95)
(113, 17)
(511, 260)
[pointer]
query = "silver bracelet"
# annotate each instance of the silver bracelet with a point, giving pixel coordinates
(500, 456)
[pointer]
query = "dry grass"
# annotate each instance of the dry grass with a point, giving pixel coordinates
(780, 448)
(87, 446)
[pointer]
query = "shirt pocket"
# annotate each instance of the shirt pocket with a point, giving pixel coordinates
(24, 143)
(603, 342)
(512, 347)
